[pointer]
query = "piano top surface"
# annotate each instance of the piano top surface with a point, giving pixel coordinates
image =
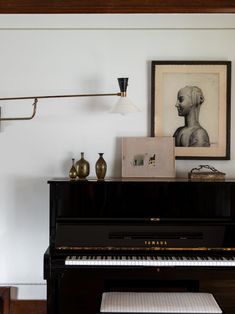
(138, 179)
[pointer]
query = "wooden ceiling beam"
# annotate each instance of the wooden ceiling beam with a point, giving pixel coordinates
(116, 6)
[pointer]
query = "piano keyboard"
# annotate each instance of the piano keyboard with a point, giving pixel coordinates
(159, 261)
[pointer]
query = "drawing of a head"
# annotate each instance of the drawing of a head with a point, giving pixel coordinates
(189, 98)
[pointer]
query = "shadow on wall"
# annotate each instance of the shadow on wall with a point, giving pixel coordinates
(30, 200)
(25, 238)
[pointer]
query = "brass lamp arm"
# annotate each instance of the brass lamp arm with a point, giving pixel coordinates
(46, 97)
(23, 118)
(121, 107)
(60, 96)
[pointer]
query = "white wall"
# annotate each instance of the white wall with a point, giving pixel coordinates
(59, 54)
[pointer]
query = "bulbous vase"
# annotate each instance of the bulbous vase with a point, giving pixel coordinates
(82, 167)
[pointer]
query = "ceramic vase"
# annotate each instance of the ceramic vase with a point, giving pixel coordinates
(100, 167)
(82, 167)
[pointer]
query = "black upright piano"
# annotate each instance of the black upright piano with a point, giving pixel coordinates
(139, 235)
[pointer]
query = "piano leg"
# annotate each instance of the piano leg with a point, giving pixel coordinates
(53, 287)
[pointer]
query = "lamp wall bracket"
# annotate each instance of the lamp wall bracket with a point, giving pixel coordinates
(20, 118)
(23, 118)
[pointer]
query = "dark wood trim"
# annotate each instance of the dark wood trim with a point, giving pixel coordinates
(5, 296)
(28, 307)
(117, 6)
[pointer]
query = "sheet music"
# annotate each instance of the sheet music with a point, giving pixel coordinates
(145, 302)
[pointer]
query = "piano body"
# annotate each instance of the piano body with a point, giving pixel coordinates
(139, 235)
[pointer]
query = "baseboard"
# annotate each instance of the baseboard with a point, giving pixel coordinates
(27, 307)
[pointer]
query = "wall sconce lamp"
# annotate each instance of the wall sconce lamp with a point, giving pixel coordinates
(123, 106)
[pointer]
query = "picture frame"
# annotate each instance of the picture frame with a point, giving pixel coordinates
(148, 157)
(191, 102)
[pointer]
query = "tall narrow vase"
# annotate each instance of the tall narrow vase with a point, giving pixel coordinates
(100, 167)
(72, 171)
(82, 167)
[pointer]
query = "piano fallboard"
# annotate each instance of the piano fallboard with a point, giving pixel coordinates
(146, 235)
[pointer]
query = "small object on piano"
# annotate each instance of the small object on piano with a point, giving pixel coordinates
(101, 167)
(82, 167)
(213, 174)
(73, 171)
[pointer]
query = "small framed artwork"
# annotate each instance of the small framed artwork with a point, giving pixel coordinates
(191, 102)
(149, 157)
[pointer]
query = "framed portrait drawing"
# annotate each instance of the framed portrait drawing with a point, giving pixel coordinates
(148, 157)
(191, 102)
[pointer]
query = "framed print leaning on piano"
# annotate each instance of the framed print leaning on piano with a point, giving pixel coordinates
(148, 157)
(191, 102)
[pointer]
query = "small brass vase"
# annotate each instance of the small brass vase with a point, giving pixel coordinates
(82, 167)
(73, 171)
(100, 167)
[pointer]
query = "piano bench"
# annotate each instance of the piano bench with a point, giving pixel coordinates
(159, 303)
